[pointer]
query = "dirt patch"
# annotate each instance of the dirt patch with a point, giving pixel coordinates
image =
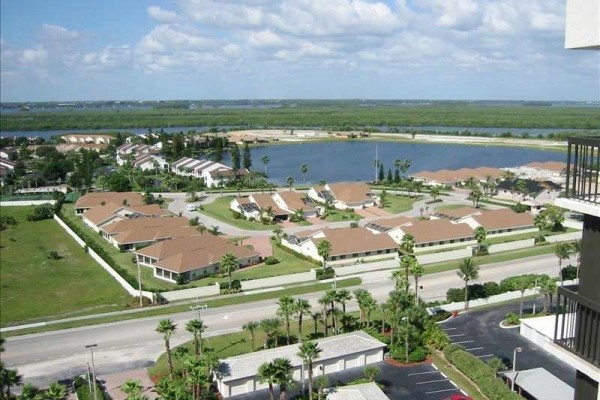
(261, 244)
(395, 363)
(372, 212)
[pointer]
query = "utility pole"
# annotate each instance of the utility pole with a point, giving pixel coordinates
(91, 347)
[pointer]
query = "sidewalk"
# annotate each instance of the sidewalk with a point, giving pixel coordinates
(113, 383)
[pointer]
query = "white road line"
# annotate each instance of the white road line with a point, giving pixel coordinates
(422, 373)
(464, 341)
(463, 392)
(449, 329)
(458, 334)
(474, 348)
(433, 365)
(486, 355)
(454, 384)
(437, 380)
(444, 375)
(443, 390)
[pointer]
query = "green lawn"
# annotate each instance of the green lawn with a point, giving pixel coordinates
(288, 264)
(219, 209)
(342, 215)
(456, 376)
(35, 287)
(399, 204)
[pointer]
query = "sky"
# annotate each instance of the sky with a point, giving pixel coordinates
(68, 50)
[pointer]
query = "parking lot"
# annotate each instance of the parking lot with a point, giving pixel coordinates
(416, 382)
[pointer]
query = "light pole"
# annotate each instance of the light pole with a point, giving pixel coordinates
(91, 347)
(514, 378)
(534, 295)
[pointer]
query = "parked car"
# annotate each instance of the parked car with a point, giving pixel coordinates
(458, 396)
(191, 207)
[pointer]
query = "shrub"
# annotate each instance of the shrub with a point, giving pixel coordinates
(454, 295)
(45, 211)
(353, 224)
(236, 215)
(236, 287)
(417, 355)
(512, 319)
(326, 273)
(519, 208)
(299, 255)
(53, 255)
(540, 239)
(491, 289)
(569, 272)
(5, 222)
(440, 315)
(271, 260)
(194, 221)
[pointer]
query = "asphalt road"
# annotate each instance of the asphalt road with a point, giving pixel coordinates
(46, 357)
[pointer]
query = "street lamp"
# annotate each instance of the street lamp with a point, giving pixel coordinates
(514, 378)
(91, 347)
(534, 294)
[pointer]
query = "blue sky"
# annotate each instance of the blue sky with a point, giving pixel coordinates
(232, 49)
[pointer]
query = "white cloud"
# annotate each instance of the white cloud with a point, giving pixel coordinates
(223, 13)
(168, 38)
(459, 14)
(56, 33)
(37, 56)
(161, 15)
(109, 57)
(265, 38)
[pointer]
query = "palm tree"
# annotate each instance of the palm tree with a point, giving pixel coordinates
(407, 243)
(480, 235)
(229, 265)
(267, 372)
(265, 160)
(417, 271)
(398, 277)
(370, 372)
(406, 330)
(196, 327)
(331, 296)
(576, 246)
(8, 379)
(407, 263)
(562, 251)
(304, 170)
(167, 327)
(316, 316)
(283, 377)
(434, 192)
(290, 181)
(360, 295)
(370, 305)
(133, 389)
(309, 352)
(215, 230)
(475, 196)
(301, 307)
(467, 271)
(343, 296)
(547, 288)
(271, 328)
(324, 302)
(324, 249)
(251, 327)
(56, 391)
(522, 284)
(286, 309)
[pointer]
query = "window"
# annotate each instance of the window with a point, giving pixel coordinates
(355, 255)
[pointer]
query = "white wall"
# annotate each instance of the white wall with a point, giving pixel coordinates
(518, 244)
(445, 256)
(174, 295)
(564, 237)
(279, 280)
(21, 203)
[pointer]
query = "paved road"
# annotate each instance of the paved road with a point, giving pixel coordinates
(45, 357)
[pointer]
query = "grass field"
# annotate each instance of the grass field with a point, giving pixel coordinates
(219, 209)
(35, 287)
(342, 215)
(398, 204)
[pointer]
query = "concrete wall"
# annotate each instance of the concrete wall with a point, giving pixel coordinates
(447, 245)
(518, 244)
(174, 295)
(279, 280)
(445, 256)
(132, 291)
(21, 203)
(564, 237)
(513, 232)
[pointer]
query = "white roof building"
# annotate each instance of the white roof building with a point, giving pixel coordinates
(365, 391)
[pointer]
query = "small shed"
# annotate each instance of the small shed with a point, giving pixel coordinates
(365, 391)
(539, 384)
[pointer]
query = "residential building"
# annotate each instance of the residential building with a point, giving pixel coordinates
(238, 375)
(258, 206)
(391, 226)
(363, 391)
(450, 178)
(538, 191)
(542, 171)
(577, 327)
(347, 244)
(344, 195)
(192, 257)
(6, 168)
(538, 384)
(102, 215)
(95, 199)
(130, 151)
(132, 234)
(86, 141)
(501, 222)
(293, 201)
(150, 162)
(213, 173)
(436, 233)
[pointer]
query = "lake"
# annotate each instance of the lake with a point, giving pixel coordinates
(351, 161)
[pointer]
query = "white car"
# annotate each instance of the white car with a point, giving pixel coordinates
(191, 207)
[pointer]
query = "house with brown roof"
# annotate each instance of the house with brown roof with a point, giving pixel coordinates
(131, 234)
(438, 233)
(348, 245)
(103, 215)
(212, 172)
(87, 141)
(391, 226)
(455, 214)
(259, 205)
(94, 199)
(502, 222)
(192, 257)
(344, 195)
(293, 202)
(450, 178)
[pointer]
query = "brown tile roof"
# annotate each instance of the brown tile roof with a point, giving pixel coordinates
(355, 240)
(351, 192)
(294, 201)
(99, 214)
(458, 212)
(436, 230)
(153, 234)
(504, 219)
(168, 248)
(549, 165)
(94, 199)
(265, 201)
(391, 223)
(460, 175)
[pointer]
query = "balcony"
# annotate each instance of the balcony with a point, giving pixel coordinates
(577, 326)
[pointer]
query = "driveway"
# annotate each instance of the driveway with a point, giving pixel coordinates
(479, 332)
(417, 382)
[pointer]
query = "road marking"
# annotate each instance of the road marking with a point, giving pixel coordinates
(464, 341)
(486, 355)
(437, 380)
(443, 390)
(433, 365)
(474, 348)
(454, 384)
(449, 329)
(226, 316)
(422, 373)
(458, 334)
(463, 392)
(444, 375)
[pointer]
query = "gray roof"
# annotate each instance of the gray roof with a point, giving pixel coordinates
(246, 365)
(541, 384)
(365, 391)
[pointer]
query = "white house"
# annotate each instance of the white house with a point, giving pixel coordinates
(292, 201)
(259, 205)
(103, 215)
(246, 207)
(147, 162)
(364, 391)
(344, 195)
(502, 222)
(130, 151)
(210, 171)
(238, 375)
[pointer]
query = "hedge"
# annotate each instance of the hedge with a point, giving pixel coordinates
(302, 256)
(480, 373)
(479, 291)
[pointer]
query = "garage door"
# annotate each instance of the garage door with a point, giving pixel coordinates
(330, 366)
(374, 357)
(353, 361)
(239, 387)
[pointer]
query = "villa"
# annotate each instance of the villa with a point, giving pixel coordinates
(450, 178)
(213, 173)
(344, 195)
(438, 233)
(95, 199)
(192, 257)
(103, 215)
(280, 205)
(539, 191)
(502, 222)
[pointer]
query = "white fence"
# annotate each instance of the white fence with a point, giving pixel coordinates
(174, 295)
(564, 237)
(279, 280)
(445, 256)
(103, 264)
(21, 203)
(507, 246)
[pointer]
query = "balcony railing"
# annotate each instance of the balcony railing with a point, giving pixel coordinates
(577, 326)
(583, 169)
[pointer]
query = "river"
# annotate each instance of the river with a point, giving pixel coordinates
(351, 161)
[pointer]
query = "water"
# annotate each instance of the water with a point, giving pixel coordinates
(352, 161)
